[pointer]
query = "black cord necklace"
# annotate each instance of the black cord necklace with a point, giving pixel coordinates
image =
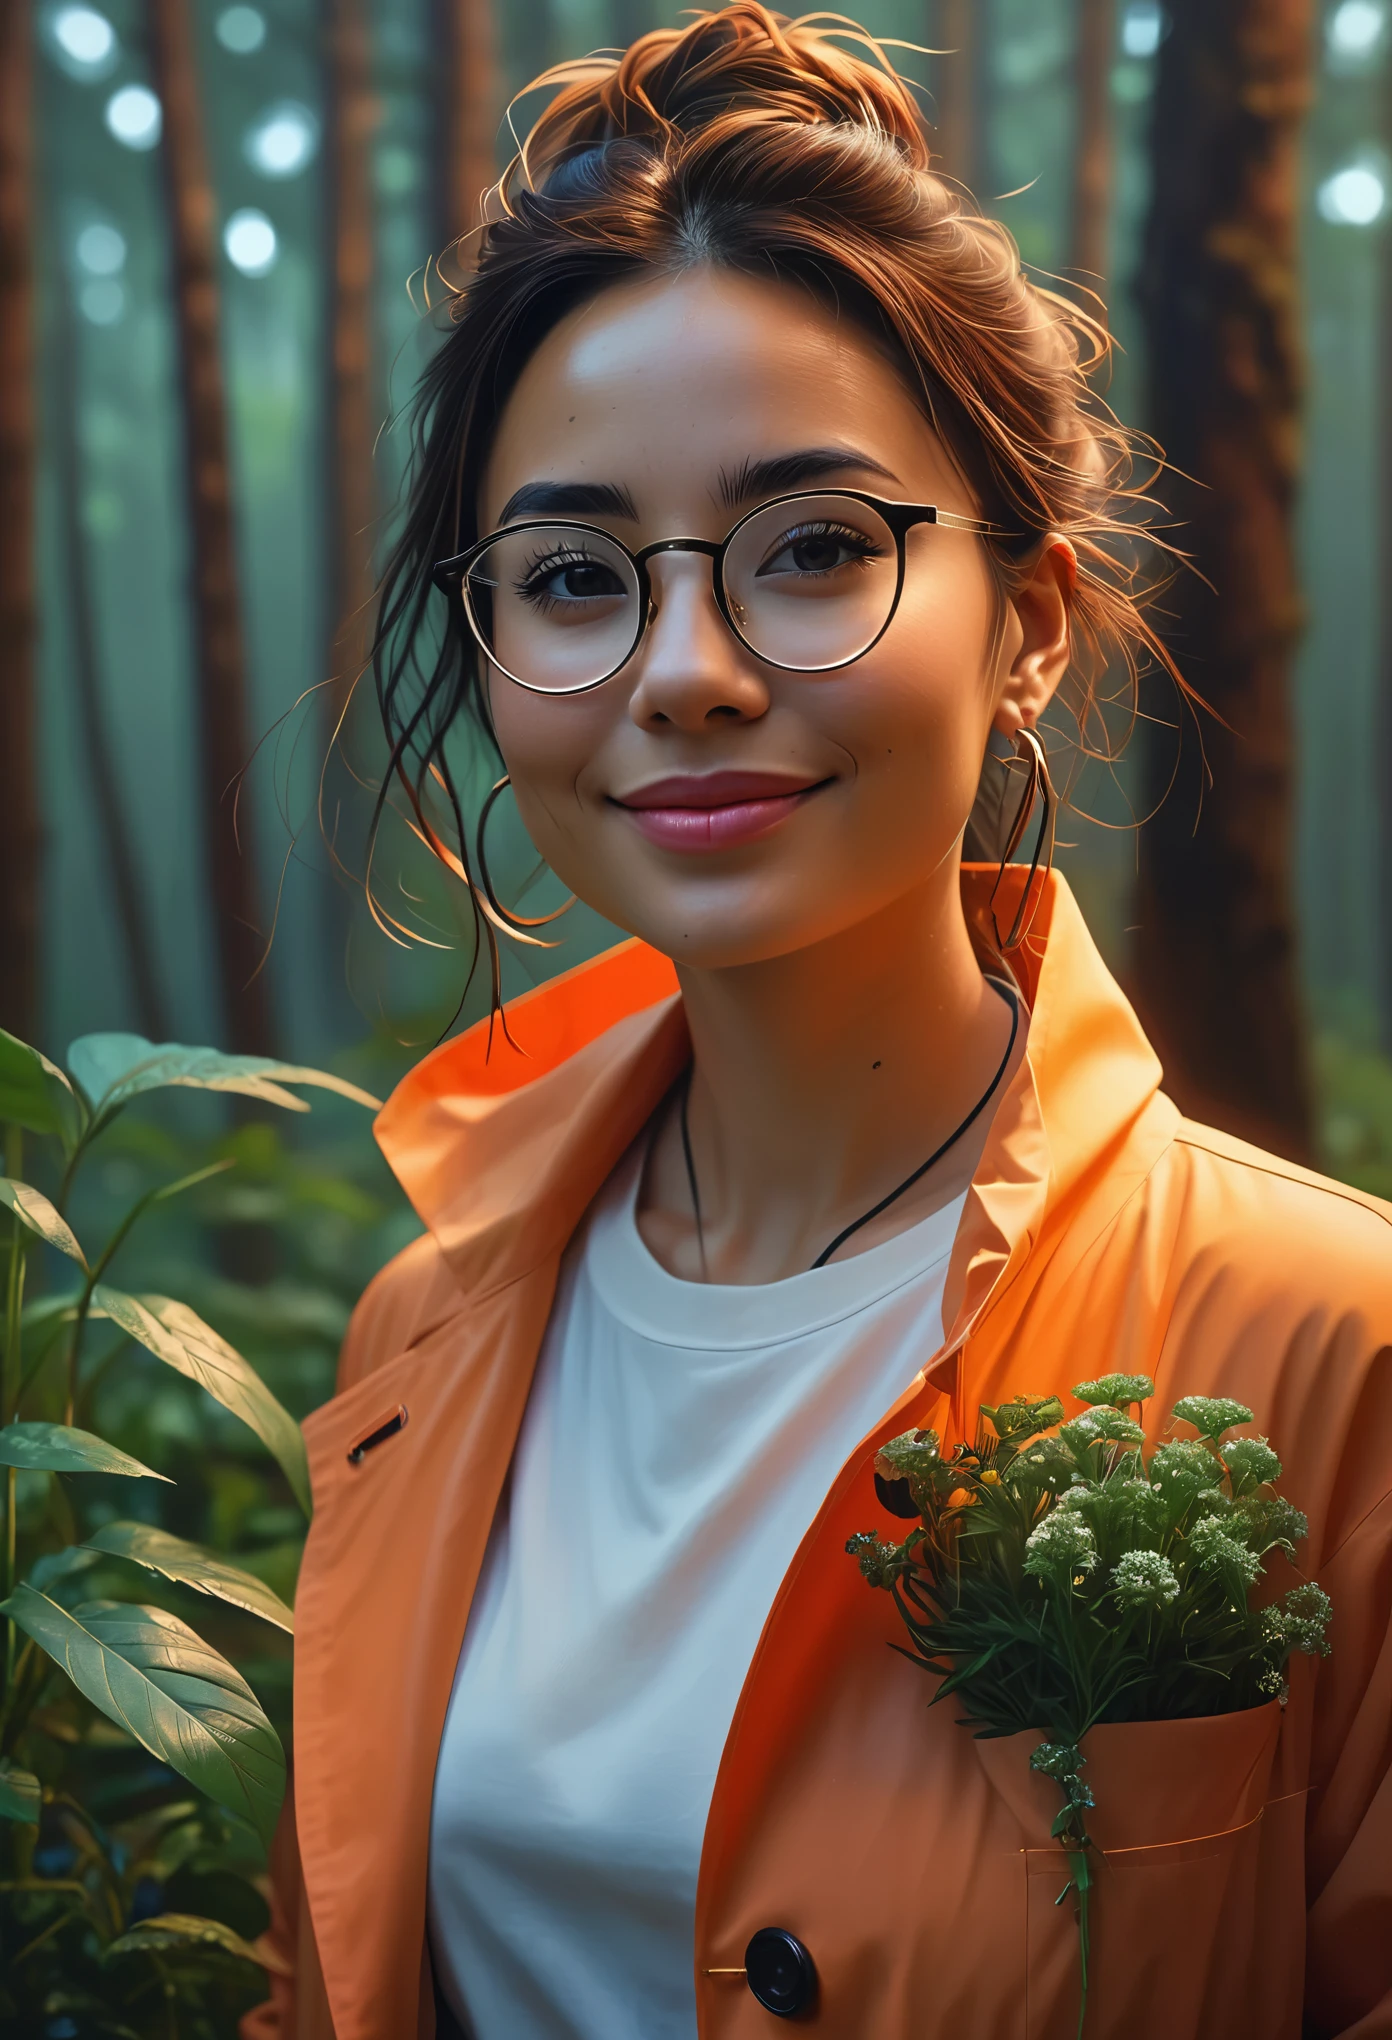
(1012, 999)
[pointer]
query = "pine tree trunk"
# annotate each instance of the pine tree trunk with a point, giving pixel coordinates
(1092, 144)
(468, 109)
(220, 661)
(1216, 955)
(956, 89)
(118, 863)
(19, 763)
(350, 498)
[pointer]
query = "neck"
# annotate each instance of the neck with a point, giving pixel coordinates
(820, 1080)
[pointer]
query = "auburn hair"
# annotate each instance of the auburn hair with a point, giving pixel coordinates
(778, 148)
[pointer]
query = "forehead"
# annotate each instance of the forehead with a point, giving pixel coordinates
(661, 384)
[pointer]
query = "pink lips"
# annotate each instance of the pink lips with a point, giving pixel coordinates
(715, 810)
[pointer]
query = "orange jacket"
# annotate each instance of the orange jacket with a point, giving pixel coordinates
(1248, 1864)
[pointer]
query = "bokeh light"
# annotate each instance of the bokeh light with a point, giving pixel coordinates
(283, 140)
(1142, 27)
(250, 242)
(134, 116)
(101, 250)
(86, 41)
(241, 30)
(1355, 28)
(1354, 197)
(102, 302)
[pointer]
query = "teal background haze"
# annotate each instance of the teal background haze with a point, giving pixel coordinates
(274, 341)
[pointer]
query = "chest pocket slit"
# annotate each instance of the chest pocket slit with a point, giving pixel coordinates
(387, 1428)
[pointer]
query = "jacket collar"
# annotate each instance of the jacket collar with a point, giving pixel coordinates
(501, 1140)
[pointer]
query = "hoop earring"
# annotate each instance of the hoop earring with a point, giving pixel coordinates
(518, 923)
(1029, 749)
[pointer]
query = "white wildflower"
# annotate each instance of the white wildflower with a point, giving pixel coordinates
(1212, 1546)
(1251, 1459)
(1144, 1579)
(1060, 1546)
(1115, 1389)
(1212, 1415)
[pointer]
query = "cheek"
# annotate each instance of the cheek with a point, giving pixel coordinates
(548, 745)
(927, 699)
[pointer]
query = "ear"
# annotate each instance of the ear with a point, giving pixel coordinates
(1043, 609)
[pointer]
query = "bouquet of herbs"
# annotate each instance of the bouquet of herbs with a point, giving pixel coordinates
(1060, 1576)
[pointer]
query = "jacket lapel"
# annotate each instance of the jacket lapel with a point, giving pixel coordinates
(400, 1528)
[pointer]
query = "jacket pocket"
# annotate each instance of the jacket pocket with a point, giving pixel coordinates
(1182, 1897)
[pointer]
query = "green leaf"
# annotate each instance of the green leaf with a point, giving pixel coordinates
(33, 1209)
(179, 1337)
(193, 1567)
(51, 1567)
(34, 1093)
(183, 1702)
(21, 1795)
(59, 1448)
(169, 1932)
(114, 1068)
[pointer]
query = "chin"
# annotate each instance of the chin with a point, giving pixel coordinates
(726, 929)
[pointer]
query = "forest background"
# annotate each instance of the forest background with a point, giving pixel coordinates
(216, 221)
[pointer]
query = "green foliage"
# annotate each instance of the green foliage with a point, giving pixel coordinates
(1354, 1083)
(179, 1337)
(177, 1559)
(124, 1906)
(81, 1944)
(61, 1448)
(1058, 1581)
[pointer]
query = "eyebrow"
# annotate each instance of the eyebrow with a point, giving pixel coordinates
(772, 476)
(568, 499)
(784, 471)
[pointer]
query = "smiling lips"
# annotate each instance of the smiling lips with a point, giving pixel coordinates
(715, 810)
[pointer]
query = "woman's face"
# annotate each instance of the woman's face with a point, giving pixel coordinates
(725, 810)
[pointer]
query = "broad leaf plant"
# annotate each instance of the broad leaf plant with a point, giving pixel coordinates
(146, 1676)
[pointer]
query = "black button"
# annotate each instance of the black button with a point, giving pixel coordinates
(780, 1972)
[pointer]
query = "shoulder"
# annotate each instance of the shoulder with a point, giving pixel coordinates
(1273, 1284)
(414, 1294)
(1222, 1247)
(1285, 1218)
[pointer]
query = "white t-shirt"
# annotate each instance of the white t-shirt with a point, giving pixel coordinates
(679, 1440)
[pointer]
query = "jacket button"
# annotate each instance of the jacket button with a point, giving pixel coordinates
(780, 1972)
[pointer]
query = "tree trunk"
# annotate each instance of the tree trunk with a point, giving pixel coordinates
(117, 853)
(1216, 955)
(957, 91)
(350, 498)
(468, 108)
(19, 763)
(1092, 142)
(220, 661)
(1382, 888)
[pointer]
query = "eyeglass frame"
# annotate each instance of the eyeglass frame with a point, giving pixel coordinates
(451, 575)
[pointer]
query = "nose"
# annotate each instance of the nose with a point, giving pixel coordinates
(691, 670)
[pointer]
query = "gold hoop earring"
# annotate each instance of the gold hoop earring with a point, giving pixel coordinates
(1031, 752)
(518, 923)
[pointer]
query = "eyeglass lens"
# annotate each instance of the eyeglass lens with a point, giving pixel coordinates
(809, 585)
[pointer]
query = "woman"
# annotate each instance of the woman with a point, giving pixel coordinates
(764, 493)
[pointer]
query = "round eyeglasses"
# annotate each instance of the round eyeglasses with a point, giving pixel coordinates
(808, 582)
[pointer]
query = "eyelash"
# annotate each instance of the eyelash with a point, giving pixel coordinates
(865, 547)
(527, 581)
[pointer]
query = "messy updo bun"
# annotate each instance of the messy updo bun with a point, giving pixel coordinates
(779, 148)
